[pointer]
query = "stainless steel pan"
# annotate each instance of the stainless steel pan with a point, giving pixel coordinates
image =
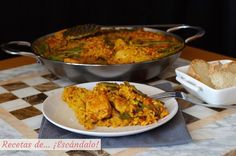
(96, 72)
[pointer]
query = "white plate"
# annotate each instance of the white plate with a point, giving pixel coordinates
(58, 113)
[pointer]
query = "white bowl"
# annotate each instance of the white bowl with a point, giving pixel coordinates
(210, 95)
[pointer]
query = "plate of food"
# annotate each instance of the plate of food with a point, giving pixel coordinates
(108, 109)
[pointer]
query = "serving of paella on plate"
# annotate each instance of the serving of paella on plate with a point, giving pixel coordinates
(86, 45)
(113, 105)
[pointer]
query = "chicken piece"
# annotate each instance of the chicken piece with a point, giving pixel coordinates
(120, 104)
(98, 106)
(130, 55)
(119, 44)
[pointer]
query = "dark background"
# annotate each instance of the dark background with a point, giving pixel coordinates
(28, 20)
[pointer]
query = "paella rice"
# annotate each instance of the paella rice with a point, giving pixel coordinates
(113, 105)
(108, 47)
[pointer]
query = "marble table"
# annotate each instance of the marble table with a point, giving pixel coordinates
(23, 89)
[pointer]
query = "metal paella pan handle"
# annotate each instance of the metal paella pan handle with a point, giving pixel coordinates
(6, 48)
(200, 31)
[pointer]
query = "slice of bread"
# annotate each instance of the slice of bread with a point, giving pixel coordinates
(223, 79)
(214, 67)
(230, 67)
(199, 69)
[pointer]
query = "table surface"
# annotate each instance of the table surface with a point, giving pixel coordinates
(23, 89)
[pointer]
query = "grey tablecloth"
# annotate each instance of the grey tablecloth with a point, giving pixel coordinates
(172, 133)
